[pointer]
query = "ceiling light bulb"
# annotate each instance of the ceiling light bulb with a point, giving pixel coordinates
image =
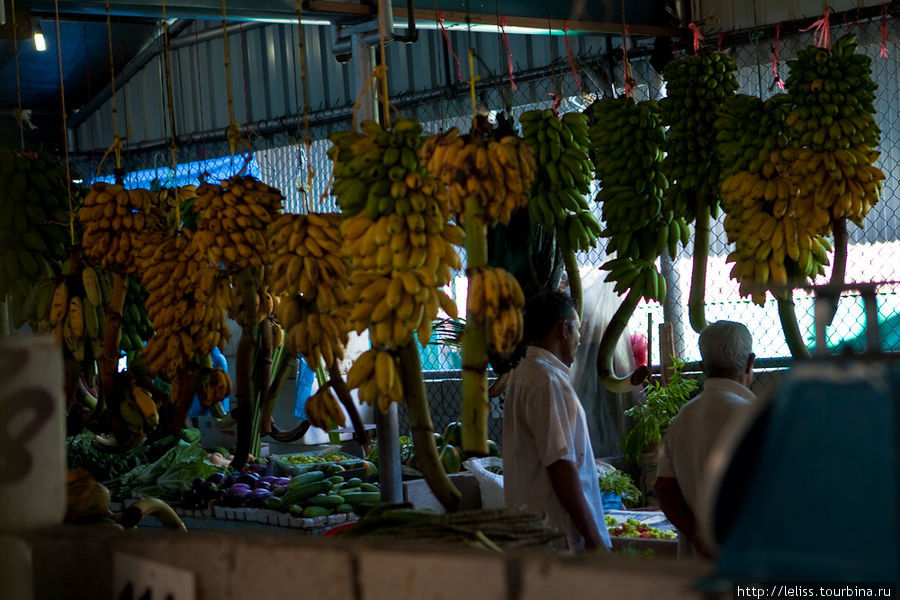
(40, 44)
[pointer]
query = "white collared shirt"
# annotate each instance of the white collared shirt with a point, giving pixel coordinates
(543, 422)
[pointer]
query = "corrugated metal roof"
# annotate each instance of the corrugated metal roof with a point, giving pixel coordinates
(266, 78)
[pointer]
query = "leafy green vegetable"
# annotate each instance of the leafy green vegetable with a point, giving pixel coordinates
(620, 483)
(103, 465)
(169, 477)
(652, 417)
(407, 449)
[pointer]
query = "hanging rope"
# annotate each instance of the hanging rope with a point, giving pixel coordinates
(571, 58)
(173, 146)
(113, 101)
(512, 82)
(233, 133)
(884, 33)
(775, 51)
(62, 96)
(440, 20)
(627, 76)
(20, 115)
(698, 37)
(200, 92)
(822, 29)
(472, 79)
(381, 74)
(304, 85)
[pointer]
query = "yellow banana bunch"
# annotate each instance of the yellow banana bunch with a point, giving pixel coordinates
(496, 168)
(232, 220)
(323, 409)
(495, 299)
(138, 410)
(305, 258)
(377, 375)
(215, 386)
(64, 307)
(317, 336)
(114, 220)
(187, 302)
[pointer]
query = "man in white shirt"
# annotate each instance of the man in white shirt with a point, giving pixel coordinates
(548, 462)
(726, 349)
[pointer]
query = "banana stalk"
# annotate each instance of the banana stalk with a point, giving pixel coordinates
(283, 364)
(109, 362)
(340, 388)
(697, 297)
(422, 428)
(475, 406)
(184, 388)
(244, 394)
(788, 317)
(839, 267)
(574, 275)
(262, 375)
(607, 349)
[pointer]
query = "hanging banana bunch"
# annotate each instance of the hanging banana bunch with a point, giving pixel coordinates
(695, 85)
(564, 174)
(627, 138)
(186, 302)
(400, 259)
(402, 251)
(34, 232)
(489, 174)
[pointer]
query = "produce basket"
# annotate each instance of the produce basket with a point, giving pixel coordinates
(288, 465)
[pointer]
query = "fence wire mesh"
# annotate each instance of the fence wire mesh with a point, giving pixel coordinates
(874, 253)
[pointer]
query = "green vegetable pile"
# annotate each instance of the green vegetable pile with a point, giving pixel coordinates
(620, 483)
(305, 459)
(103, 465)
(632, 528)
(167, 478)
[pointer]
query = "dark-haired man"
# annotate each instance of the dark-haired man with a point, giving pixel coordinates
(548, 462)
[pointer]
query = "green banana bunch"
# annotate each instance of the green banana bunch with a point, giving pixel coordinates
(563, 177)
(374, 169)
(34, 221)
(627, 139)
(695, 86)
(748, 130)
(136, 324)
(833, 133)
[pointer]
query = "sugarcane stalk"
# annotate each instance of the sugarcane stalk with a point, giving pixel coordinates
(422, 429)
(788, 317)
(572, 271)
(109, 362)
(475, 405)
(243, 376)
(262, 374)
(607, 349)
(343, 393)
(697, 297)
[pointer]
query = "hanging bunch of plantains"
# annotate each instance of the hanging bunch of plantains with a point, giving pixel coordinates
(774, 245)
(627, 139)
(833, 141)
(310, 277)
(489, 174)
(695, 85)
(402, 253)
(34, 233)
(563, 177)
(232, 218)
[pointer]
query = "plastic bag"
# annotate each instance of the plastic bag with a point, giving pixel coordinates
(490, 484)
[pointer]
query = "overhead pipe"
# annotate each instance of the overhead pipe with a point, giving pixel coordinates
(342, 36)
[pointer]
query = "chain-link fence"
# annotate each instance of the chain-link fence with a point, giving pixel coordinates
(874, 253)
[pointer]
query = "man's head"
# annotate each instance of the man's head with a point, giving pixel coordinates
(551, 322)
(727, 351)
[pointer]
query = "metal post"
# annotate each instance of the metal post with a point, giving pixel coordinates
(387, 427)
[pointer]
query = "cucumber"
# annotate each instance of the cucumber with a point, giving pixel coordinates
(353, 482)
(326, 500)
(311, 512)
(357, 498)
(305, 478)
(343, 508)
(335, 480)
(369, 487)
(272, 503)
(302, 492)
(296, 510)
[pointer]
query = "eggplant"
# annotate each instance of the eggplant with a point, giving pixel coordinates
(256, 498)
(248, 478)
(257, 468)
(216, 478)
(270, 479)
(263, 485)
